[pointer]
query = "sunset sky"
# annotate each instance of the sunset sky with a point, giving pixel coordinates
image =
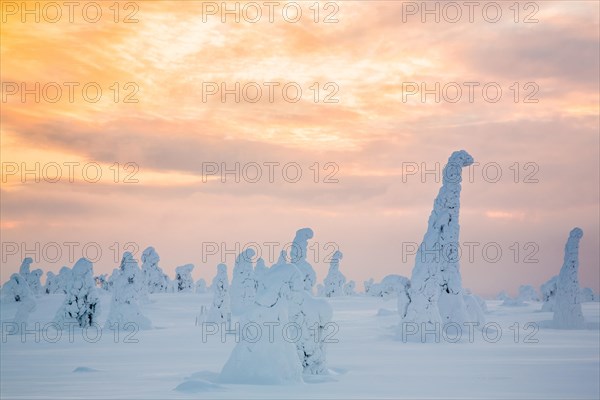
(170, 54)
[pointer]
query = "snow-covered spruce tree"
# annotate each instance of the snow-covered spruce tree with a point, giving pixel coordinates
(243, 285)
(475, 307)
(548, 291)
(14, 288)
(126, 289)
(298, 254)
(220, 307)
(586, 295)
(52, 284)
(436, 290)
(64, 277)
(201, 286)
(35, 281)
(154, 278)
(33, 278)
(567, 307)
(312, 315)
(368, 285)
(114, 277)
(390, 286)
(349, 288)
(81, 304)
(183, 277)
(402, 289)
(528, 293)
(320, 290)
(502, 295)
(260, 271)
(335, 280)
(469, 296)
(24, 269)
(271, 359)
(17, 290)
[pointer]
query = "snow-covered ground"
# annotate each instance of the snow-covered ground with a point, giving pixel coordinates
(368, 360)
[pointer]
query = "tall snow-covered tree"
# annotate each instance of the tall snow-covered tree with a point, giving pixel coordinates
(567, 306)
(243, 284)
(81, 304)
(126, 291)
(436, 295)
(335, 280)
(221, 305)
(183, 277)
(154, 278)
(298, 254)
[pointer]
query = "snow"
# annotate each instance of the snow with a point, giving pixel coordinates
(366, 362)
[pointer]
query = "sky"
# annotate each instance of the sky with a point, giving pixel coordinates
(122, 126)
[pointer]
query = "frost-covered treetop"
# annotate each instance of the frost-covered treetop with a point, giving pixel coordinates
(184, 269)
(335, 260)
(571, 259)
(457, 161)
(221, 269)
(572, 246)
(82, 267)
(150, 256)
(245, 258)
(282, 260)
(25, 265)
(260, 264)
(300, 244)
(128, 261)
